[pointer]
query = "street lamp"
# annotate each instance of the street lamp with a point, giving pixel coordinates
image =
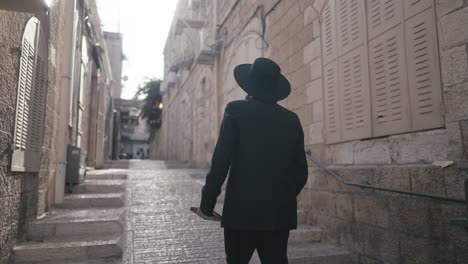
(161, 106)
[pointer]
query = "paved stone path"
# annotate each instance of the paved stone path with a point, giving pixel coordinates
(162, 228)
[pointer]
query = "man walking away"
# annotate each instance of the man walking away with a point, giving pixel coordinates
(261, 144)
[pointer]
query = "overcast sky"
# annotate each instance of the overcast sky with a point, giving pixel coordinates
(144, 25)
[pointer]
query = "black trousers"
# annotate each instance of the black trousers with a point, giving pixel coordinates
(271, 246)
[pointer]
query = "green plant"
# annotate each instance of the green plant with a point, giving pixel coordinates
(153, 107)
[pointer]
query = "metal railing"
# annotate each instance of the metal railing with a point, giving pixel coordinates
(367, 186)
(458, 222)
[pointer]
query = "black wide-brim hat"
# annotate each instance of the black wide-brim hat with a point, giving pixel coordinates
(263, 80)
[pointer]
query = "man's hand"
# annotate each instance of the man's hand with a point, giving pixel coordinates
(215, 217)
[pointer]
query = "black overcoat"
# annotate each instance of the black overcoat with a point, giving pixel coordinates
(262, 146)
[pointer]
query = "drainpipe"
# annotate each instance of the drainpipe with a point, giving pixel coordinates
(66, 83)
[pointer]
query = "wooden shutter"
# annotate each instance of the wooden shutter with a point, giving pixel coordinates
(351, 21)
(383, 15)
(329, 44)
(354, 94)
(332, 103)
(389, 84)
(423, 71)
(37, 116)
(24, 94)
(31, 100)
(413, 7)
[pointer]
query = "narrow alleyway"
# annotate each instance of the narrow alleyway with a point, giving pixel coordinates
(164, 229)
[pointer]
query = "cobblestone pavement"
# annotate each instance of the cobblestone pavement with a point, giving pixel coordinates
(162, 228)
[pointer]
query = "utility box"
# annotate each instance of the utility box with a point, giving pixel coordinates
(73, 165)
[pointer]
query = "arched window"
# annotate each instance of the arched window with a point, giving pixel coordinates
(380, 68)
(31, 100)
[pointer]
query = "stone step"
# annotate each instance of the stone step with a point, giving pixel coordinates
(110, 176)
(108, 200)
(60, 223)
(117, 164)
(89, 261)
(65, 250)
(305, 234)
(100, 186)
(317, 253)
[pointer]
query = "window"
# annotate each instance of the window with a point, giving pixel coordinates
(31, 100)
(380, 68)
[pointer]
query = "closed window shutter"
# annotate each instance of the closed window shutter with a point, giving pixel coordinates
(351, 22)
(354, 94)
(389, 88)
(330, 74)
(423, 71)
(24, 94)
(329, 43)
(37, 116)
(31, 97)
(383, 15)
(413, 7)
(388, 77)
(332, 103)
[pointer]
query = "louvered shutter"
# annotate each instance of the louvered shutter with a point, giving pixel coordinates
(354, 94)
(329, 44)
(385, 75)
(388, 79)
(31, 100)
(332, 103)
(413, 7)
(351, 21)
(383, 15)
(38, 102)
(423, 71)
(24, 94)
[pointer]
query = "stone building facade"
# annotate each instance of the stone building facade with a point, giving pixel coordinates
(55, 82)
(380, 88)
(133, 133)
(114, 46)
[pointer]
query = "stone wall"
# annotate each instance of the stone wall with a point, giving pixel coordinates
(378, 227)
(23, 196)
(381, 227)
(195, 101)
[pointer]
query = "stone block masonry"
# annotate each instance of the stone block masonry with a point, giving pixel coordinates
(18, 191)
(376, 227)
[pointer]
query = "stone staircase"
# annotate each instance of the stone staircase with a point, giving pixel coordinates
(87, 228)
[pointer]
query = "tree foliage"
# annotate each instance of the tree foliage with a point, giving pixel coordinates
(152, 110)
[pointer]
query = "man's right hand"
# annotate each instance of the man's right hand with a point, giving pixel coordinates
(214, 217)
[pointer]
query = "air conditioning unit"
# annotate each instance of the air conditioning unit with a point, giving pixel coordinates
(210, 46)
